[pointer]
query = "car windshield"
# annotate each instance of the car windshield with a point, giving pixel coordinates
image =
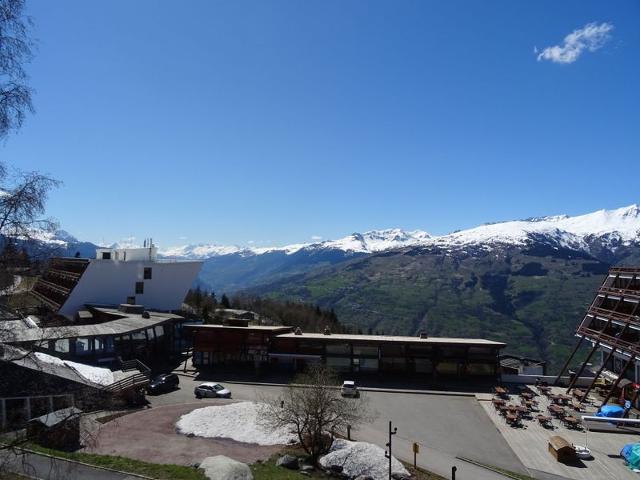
(218, 387)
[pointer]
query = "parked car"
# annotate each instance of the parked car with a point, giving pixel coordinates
(349, 389)
(163, 383)
(212, 390)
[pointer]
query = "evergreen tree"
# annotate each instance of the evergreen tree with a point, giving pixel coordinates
(224, 301)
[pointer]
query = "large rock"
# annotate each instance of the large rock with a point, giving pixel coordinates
(225, 468)
(288, 461)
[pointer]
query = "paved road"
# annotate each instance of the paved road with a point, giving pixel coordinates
(444, 426)
(42, 467)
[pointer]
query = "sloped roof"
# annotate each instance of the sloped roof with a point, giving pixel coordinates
(54, 418)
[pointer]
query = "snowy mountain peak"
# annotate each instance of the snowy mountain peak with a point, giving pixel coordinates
(367, 242)
(622, 224)
(613, 227)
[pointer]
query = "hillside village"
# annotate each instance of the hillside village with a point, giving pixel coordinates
(123, 336)
(484, 336)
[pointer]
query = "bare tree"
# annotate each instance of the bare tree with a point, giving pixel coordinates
(15, 52)
(313, 407)
(23, 195)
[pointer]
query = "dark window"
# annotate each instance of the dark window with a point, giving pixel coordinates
(131, 300)
(147, 273)
(106, 255)
(139, 288)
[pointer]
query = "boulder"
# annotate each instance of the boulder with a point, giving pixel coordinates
(400, 476)
(225, 468)
(288, 461)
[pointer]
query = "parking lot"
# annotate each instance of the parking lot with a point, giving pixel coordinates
(445, 426)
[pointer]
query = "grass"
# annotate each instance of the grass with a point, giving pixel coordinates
(154, 470)
(266, 470)
(11, 476)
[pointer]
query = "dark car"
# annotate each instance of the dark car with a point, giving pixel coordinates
(163, 383)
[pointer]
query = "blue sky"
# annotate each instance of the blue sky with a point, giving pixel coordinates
(273, 122)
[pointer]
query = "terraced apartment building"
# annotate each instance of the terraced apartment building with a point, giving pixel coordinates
(611, 326)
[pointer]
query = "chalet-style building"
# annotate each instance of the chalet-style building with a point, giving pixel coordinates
(612, 328)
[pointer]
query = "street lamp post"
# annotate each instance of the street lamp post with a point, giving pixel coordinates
(387, 453)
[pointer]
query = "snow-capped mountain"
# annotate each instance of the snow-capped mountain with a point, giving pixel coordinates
(368, 242)
(611, 228)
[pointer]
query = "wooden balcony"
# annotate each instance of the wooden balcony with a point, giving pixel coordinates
(615, 316)
(611, 341)
(620, 292)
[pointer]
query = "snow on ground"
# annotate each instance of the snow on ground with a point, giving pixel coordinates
(361, 459)
(237, 421)
(101, 376)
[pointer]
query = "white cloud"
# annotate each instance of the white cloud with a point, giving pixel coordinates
(316, 237)
(591, 37)
(182, 238)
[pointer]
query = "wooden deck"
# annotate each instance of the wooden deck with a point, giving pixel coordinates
(530, 445)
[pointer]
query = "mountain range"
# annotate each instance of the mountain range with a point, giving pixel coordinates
(526, 282)
(612, 227)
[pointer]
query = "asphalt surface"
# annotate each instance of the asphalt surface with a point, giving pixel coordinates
(42, 467)
(444, 426)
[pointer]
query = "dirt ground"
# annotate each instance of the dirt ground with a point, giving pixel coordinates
(150, 435)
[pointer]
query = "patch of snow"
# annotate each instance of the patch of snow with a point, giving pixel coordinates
(101, 376)
(237, 421)
(361, 459)
(97, 375)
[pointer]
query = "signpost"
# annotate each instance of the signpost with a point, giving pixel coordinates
(416, 451)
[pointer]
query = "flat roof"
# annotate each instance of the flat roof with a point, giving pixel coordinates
(18, 331)
(263, 328)
(392, 338)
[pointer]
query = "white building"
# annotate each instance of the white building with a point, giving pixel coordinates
(116, 276)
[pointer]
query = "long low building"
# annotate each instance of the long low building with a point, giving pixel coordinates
(283, 348)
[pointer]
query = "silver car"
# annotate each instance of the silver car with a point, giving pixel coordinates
(211, 390)
(349, 389)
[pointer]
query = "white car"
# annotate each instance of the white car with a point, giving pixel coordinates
(582, 452)
(349, 389)
(211, 390)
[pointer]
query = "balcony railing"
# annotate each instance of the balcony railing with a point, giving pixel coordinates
(625, 270)
(610, 314)
(611, 341)
(623, 292)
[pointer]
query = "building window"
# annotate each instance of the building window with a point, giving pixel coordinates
(147, 273)
(106, 255)
(83, 346)
(131, 300)
(139, 288)
(62, 345)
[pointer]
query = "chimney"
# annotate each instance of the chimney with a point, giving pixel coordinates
(423, 335)
(298, 331)
(327, 331)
